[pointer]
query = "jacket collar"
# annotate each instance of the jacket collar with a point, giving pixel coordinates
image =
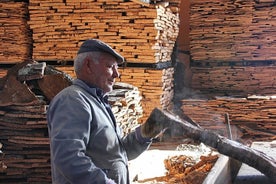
(93, 90)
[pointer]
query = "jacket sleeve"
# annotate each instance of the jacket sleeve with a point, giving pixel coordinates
(69, 120)
(135, 144)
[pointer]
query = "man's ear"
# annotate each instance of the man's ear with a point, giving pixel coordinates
(87, 66)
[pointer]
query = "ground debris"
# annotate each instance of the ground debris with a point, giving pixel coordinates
(182, 169)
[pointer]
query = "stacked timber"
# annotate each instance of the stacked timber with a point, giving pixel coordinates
(253, 115)
(24, 98)
(235, 80)
(143, 34)
(15, 35)
(232, 30)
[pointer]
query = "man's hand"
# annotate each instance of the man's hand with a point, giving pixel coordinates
(154, 126)
(110, 181)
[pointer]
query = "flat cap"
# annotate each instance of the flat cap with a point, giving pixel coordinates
(91, 45)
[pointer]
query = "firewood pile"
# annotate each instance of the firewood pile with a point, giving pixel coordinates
(253, 115)
(143, 34)
(15, 36)
(235, 80)
(24, 99)
(233, 30)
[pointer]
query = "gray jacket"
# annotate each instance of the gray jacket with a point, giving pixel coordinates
(86, 144)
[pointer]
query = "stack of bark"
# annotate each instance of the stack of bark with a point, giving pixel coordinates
(233, 30)
(15, 35)
(24, 135)
(253, 115)
(235, 80)
(143, 34)
(125, 101)
(26, 145)
(233, 52)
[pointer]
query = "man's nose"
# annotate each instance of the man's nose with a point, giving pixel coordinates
(115, 72)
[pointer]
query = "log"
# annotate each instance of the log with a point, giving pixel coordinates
(236, 150)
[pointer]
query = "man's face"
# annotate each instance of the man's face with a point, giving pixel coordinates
(104, 72)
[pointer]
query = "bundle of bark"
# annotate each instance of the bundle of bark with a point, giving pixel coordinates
(234, 80)
(254, 116)
(142, 32)
(24, 98)
(232, 30)
(15, 35)
(23, 124)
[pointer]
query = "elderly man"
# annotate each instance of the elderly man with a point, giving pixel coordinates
(86, 144)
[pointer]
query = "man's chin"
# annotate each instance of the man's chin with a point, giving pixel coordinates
(108, 89)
